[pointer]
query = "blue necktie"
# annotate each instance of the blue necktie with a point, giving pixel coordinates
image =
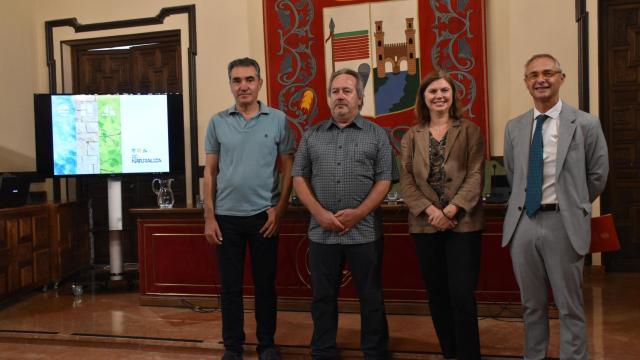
(534, 175)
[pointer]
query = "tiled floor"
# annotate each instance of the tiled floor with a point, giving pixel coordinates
(55, 325)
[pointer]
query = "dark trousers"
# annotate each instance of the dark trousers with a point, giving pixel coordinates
(326, 265)
(450, 265)
(236, 232)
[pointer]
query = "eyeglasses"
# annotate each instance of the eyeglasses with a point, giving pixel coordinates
(546, 74)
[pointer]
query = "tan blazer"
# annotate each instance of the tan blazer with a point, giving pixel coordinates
(463, 166)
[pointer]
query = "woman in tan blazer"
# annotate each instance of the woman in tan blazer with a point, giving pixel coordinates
(441, 183)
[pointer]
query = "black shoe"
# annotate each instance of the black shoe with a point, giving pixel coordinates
(232, 355)
(270, 354)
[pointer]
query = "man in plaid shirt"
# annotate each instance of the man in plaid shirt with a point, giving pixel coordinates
(342, 171)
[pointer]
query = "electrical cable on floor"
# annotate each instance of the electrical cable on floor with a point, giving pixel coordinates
(205, 309)
(504, 308)
(198, 308)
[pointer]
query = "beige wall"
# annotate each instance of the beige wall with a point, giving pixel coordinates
(17, 84)
(230, 29)
(225, 29)
(515, 31)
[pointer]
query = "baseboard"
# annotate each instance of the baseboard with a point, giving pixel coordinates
(212, 303)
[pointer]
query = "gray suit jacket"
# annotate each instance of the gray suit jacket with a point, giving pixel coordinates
(582, 165)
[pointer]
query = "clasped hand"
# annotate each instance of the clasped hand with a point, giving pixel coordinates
(438, 218)
(342, 221)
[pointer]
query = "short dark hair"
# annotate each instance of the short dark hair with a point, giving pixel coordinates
(422, 111)
(544, 56)
(243, 62)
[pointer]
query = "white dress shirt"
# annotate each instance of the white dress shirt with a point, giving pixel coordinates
(550, 150)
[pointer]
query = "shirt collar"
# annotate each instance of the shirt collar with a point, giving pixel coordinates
(553, 113)
(357, 122)
(264, 109)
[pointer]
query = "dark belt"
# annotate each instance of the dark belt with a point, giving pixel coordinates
(549, 207)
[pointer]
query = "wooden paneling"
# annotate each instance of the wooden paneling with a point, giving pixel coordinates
(104, 72)
(24, 226)
(26, 276)
(4, 284)
(41, 232)
(23, 238)
(619, 27)
(12, 232)
(176, 260)
(142, 69)
(29, 245)
(156, 68)
(4, 244)
(69, 229)
(42, 266)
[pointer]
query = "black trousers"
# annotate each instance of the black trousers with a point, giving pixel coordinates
(326, 265)
(237, 231)
(450, 266)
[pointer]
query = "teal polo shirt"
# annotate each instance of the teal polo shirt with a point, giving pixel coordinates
(248, 181)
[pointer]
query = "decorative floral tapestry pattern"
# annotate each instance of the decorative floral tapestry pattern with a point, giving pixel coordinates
(392, 44)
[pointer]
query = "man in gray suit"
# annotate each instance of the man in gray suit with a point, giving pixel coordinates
(557, 164)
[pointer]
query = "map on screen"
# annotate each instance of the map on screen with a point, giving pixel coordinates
(109, 134)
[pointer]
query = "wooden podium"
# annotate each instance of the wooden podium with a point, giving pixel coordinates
(177, 263)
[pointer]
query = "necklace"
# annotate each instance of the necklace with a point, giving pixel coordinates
(439, 129)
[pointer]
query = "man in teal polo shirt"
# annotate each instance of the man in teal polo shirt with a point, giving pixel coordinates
(244, 201)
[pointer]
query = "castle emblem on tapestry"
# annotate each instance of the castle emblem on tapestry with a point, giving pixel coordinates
(391, 43)
(380, 41)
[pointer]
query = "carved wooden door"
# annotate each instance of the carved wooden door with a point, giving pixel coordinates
(103, 72)
(154, 66)
(620, 113)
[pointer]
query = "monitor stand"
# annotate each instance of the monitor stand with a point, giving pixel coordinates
(114, 193)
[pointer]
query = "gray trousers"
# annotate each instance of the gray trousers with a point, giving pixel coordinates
(541, 253)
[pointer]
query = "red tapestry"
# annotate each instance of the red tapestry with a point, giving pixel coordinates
(392, 44)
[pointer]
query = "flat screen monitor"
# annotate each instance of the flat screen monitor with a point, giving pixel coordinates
(109, 134)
